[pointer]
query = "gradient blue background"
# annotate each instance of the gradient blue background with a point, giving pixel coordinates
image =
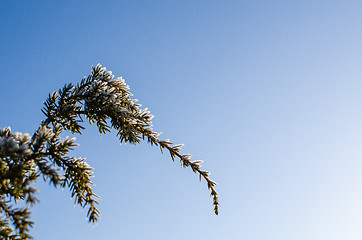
(268, 93)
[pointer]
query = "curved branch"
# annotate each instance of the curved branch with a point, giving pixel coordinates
(100, 97)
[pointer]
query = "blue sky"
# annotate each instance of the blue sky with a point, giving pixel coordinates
(267, 93)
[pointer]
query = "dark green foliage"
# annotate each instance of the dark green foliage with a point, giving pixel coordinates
(101, 100)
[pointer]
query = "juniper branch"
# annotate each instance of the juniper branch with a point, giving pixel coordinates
(103, 101)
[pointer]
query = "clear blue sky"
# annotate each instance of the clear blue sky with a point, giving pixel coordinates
(267, 93)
